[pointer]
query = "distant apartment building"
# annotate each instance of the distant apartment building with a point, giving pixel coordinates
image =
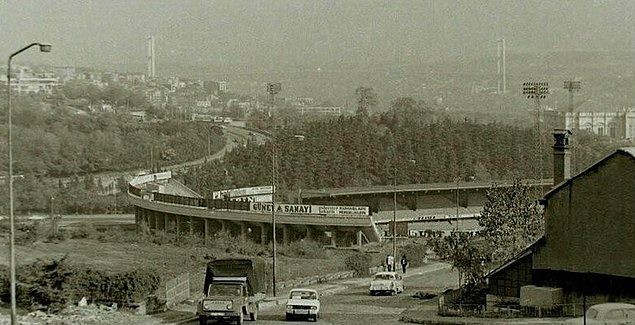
(25, 81)
(215, 87)
(320, 110)
(617, 124)
(65, 73)
(135, 78)
(300, 101)
(156, 97)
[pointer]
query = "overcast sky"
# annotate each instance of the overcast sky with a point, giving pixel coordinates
(269, 34)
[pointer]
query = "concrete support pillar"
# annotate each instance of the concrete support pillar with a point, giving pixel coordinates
(137, 219)
(191, 226)
(222, 225)
(359, 238)
(206, 231)
(308, 235)
(285, 235)
(165, 223)
(263, 233)
(243, 231)
(155, 220)
(333, 240)
(177, 222)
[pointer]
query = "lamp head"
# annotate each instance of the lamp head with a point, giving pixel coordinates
(45, 47)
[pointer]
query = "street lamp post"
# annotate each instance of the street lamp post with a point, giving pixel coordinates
(43, 48)
(394, 218)
(273, 89)
(457, 203)
(394, 214)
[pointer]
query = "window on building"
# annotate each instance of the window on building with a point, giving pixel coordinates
(613, 131)
(600, 131)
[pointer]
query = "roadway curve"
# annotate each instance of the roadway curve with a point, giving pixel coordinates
(235, 136)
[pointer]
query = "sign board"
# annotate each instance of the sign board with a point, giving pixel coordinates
(357, 211)
(151, 178)
(402, 228)
(241, 192)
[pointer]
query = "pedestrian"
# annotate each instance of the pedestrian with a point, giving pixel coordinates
(404, 263)
(390, 260)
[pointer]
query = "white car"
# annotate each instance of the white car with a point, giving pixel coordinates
(303, 303)
(611, 313)
(386, 282)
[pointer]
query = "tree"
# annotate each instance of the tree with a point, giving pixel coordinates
(366, 99)
(511, 220)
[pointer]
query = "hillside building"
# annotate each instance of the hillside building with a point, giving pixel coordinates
(588, 248)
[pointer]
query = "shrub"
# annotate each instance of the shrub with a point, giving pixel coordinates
(26, 232)
(52, 284)
(56, 236)
(82, 231)
(415, 253)
(44, 284)
(124, 288)
(358, 262)
(304, 249)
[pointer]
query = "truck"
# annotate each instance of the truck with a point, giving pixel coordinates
(232, 290)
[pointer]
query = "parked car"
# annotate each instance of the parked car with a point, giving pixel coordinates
(386, 282)
(612, 313)
(303, 303)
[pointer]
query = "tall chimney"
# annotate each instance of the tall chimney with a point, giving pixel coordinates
(561, 156)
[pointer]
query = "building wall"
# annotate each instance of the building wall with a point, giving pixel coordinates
(507, 282)
(590, 223)
(613, 124)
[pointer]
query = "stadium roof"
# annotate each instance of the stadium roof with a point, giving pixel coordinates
(406, 188)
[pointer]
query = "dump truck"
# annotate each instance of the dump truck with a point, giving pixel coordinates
(232, 290)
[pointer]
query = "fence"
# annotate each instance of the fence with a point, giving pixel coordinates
(177, 289)
(509, 311)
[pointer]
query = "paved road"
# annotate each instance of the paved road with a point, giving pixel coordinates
(355, 306)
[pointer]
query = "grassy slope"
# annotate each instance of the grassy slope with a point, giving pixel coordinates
(168, 259)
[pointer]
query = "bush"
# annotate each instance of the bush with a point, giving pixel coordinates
(82, 231)
(43, 284)
(56, 236)
(53, 284)
(358, 262)
(26, 233)
(304, 249)
(415, 253)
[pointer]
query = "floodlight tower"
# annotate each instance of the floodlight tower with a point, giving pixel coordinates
(537, 91)
(502, 82)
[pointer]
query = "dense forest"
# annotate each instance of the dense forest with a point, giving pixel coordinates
(421, 144)
(58, 149)
(50, 140)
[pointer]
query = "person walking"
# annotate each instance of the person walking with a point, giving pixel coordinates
(404, 263)
(390, 262)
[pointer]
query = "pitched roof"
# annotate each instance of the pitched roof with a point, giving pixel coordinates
(527, 251)
(628, 151)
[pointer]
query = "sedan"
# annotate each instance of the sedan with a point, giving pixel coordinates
(386, 282)
(607, 314)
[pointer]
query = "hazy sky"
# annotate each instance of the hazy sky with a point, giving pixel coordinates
(268, 34)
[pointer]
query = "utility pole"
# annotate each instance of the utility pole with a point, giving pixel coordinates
(394, 216)
(571, 86)
(273, 89)
(151, 159)
(537, 91)
(457, 204)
